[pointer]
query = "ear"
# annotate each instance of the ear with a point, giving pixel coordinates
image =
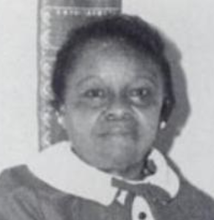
(168, 105)
(60, 115)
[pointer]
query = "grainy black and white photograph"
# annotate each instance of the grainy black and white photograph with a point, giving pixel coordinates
(106, 110)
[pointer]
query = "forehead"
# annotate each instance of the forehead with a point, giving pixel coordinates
(115, 62)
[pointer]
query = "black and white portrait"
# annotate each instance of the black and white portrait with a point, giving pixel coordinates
(106, 110)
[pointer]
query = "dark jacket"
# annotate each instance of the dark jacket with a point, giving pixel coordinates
(24, 197)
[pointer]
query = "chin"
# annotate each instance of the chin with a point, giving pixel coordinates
(119, 155)
(123, 161)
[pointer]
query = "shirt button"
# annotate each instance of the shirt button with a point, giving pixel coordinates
(142, 215)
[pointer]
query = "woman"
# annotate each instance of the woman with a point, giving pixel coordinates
(113, 94)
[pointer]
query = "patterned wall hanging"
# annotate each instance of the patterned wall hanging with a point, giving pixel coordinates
(56, 18)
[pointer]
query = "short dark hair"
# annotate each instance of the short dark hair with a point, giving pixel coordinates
(133, 31)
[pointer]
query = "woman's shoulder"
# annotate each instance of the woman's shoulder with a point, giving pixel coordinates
(16, 179)
(190, 203)
(16, 194)
(23, 194)
(191, 195)
(20, 179)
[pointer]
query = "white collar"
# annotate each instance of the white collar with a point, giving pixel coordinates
(62, 169)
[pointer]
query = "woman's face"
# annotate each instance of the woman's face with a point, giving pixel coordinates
(112, 107)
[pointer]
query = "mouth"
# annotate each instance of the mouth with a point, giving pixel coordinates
(118, 131)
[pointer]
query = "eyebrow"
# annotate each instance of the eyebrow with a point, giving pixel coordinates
(85, 79)
(151, 78)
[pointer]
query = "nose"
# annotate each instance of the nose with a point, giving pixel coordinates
(118, 110)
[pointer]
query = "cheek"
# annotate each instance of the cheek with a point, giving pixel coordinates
(80, 121)
(148, 120)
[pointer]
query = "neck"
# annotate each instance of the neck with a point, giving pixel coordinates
(133, 172)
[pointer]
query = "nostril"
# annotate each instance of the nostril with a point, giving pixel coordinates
(111, 116)
(118, 110)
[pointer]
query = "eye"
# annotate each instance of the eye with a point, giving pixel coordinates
(140, 92)
(94, 94)
(141, 95)
(94, 97)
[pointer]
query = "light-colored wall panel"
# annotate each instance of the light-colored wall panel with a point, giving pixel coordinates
(18, 81)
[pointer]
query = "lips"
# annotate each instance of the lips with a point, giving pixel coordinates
(119, 131)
